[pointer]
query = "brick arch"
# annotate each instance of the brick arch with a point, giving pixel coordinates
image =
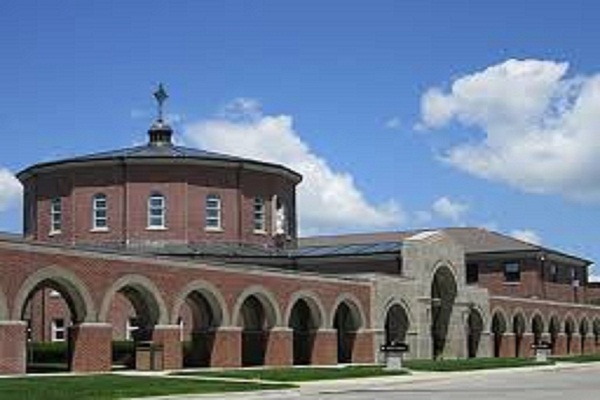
(314, 303)
(569, 317)
(502, 314)
(395, 303)
(267, 300)
(355, 307)
(395, 300)
(212, 295)
(518, 313)
(150, 294)
(74, 290)
(584, 322)
(537, 314)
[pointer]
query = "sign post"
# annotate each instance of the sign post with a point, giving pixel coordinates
(393, 354)
(542, 351)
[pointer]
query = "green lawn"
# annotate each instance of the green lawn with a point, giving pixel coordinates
(471, 364)
(299, 374)
(578, 359)
(99, 387)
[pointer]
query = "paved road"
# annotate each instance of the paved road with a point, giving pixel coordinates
(581, 383)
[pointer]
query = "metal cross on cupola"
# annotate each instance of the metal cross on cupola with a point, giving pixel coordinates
(161, 96)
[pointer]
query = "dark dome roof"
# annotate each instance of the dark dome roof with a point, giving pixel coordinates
(154, 152)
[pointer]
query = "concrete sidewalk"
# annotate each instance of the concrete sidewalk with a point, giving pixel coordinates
(313, 389)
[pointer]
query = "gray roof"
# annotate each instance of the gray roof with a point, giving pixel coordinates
(152, 152)
(473, 240)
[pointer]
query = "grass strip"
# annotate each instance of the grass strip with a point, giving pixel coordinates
(299, 374)
(583, 358)
(471, 364)
(100, 387)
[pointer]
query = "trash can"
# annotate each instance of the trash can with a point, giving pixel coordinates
(148, 356)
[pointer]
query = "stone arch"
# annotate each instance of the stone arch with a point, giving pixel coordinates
(256, 311)
(199, 309)
(314, 303)
(444, 290)
(397, 321)
(475, 327)
(266, 299)
(74, 291)
(144, 296)
(498, 328)
(212, 295)
(596, 330)
(348, 318)
(519, 327)
(304, 315)
(537, 326)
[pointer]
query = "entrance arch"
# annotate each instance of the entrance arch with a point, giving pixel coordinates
(537, 328)
(498, 329)
(347, 320)
(569, 331)
(443, 295)
(62, 291)
(474, 330)
(397, 324)
(200, 310)
(518, 325)
(553, 330)
(305, 316)
(256, 312)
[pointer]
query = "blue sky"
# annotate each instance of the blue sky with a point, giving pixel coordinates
(409, 111)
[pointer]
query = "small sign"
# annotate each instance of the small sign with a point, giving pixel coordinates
(541, 346)
(395, 347)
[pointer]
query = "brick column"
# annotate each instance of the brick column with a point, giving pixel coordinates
(590, 345)
(560, 347)
(507, 345)
(526, 343)
(324, 350)
(576, 344)
(280, 347)
(13, 337)
(169, 336)
(227, 347)
(363, 353)
(91, 347)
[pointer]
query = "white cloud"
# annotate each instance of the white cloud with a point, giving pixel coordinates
(542, 129)
(393, 123)
(527, 235)
(449, 209)
(328, 200)
(594, 278)
(10, 190)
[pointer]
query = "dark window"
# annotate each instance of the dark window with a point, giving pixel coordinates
(553, 273)
(512, 272)
(472, 273)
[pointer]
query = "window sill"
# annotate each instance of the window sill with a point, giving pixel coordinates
(511, 283)
(260, 232)
(99, 230)
(214, 230)
(54, 233)
(156, 228)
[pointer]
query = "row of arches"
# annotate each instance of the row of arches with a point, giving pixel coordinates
(543, 330)
(255, 311)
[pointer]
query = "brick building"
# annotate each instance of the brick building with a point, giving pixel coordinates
(174, 245)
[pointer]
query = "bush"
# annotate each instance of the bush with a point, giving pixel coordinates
(48, 352)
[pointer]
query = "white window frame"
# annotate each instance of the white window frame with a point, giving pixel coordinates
(100, 212)
(157, 206)
(58, 333)
(213, 212)
(259, 215)
(55, 215)
(130, 327)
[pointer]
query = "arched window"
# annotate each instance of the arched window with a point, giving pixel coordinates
(213, 212)
(100, 212)
(156, 211)
(259, 214)
(55, 215)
